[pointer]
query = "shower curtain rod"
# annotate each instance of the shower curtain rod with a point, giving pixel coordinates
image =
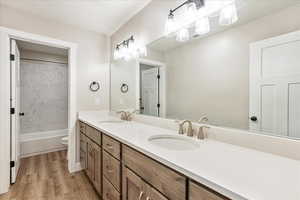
(42, 60)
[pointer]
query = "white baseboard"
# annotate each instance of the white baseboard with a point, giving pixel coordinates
(42, 142)
(75, 167)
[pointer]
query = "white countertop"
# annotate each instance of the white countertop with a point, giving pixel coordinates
(236, 172)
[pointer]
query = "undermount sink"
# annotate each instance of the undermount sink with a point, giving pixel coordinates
(174, 142)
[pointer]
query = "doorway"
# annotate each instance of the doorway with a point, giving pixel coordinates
(151, 82)
(149, 90)
(39, 100)
(6, 35)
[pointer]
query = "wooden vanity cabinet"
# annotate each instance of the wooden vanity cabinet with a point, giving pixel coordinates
(119, 171)
(83, 151)
(94, 167)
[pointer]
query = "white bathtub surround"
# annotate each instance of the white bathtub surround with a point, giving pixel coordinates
(237, 172)
(44, 96)
(42, 142)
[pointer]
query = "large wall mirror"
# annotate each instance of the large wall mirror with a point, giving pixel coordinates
(244, 76)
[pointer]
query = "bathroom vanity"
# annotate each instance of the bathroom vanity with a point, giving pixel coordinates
(122, 163)
(119, 171)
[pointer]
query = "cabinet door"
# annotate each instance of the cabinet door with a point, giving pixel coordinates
(98, 169)
(133, 186)
(83, 151)
(90, 169)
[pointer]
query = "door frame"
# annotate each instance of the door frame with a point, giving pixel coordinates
(162, 84)
(6, 35)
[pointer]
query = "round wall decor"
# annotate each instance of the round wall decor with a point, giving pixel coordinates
(124, 88)
(94, 86)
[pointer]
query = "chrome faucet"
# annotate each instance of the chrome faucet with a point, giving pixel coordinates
(125, 115)
(201, 134)
(190, 128)
(129, 114)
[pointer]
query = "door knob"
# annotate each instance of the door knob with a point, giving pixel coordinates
(253, 118)
(21, 114)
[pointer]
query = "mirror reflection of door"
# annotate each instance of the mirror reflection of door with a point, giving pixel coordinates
(149, 100)
(275, 86)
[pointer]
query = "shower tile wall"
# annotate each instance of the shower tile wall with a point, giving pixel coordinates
(44, 96)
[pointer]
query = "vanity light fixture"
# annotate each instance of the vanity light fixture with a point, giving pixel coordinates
(129, 49)
(196, 16)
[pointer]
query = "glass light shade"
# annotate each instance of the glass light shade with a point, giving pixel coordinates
(183, 35)
(190, 11)
(202, 26)
(228, 15)
(143, 51)
(116, 54)
(132, 48)
(170, 25)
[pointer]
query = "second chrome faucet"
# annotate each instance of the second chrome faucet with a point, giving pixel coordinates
(190, 130)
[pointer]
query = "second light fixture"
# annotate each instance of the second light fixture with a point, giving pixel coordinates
(196, 17)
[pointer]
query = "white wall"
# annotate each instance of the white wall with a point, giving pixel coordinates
(123, 72)
(93, 53)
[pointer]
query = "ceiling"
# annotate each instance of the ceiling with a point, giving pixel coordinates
(102, 16)
(42, 48)
(248, 10)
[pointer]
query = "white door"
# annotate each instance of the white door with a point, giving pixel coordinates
(15, 104)
(275, 85)
(150, 92)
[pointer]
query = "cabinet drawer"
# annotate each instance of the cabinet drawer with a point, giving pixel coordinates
(82, 127)
(109, 192)
(168, 182)
(112, 146)
(111, 170)
(94, 134)
(198, 192)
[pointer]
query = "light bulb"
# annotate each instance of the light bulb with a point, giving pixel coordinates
(190, 11)
(202, 26)
(228, 14)
(116, 54)
(132, 48)
(143, 51)
(170, 25)
(183, 35)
